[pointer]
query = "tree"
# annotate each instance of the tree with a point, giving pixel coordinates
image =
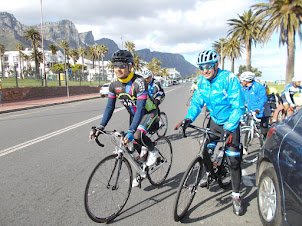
(64, 45)
(242, 68)
(20, 48)
(138, 62)
(164, 73)
(74, 55)
(2, 51)
(246, 29)
(282, 16)
(233, 50)
(92, 54)
(154, 66)
(221, 51)
(82, 52)
(35, 38)
(54, 49)
(101, 50)
(130, 46)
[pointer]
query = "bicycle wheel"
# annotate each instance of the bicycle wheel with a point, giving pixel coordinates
(251, 145)
(189, 100)
(206, 120)
(224, 175)
(105, 195)
(158, 173)
(163, 124)
(187, 188)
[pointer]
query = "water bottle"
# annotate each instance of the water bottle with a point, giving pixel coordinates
(211, 149)
(219, 157)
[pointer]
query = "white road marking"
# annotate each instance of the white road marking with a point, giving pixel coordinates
(47, 136)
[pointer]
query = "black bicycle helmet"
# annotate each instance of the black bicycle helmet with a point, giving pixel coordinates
(122, 56)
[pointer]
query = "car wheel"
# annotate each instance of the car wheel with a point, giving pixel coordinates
(269, 199)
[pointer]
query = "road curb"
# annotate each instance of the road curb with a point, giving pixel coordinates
(45, 105)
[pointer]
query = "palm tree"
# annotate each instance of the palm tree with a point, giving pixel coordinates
(154, 66)
(164, 73)
(219, 47)
(74, 55)
(138, 62)
(64, 45)
(35, 37)
(246, 29)
(20, 48)
(54, 49)
(2, 51)
(284, 16)
(130, 46)
(100, 51)
(82, 52)
(26, 59)
(233, 50)
(92, 54)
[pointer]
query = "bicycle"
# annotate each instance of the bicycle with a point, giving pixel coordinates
(162, 124)
(189, 100)
(219, 171)
(110, 183)
(207, 118)
(252, 140)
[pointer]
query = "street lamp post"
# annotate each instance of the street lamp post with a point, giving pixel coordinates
(43, 55)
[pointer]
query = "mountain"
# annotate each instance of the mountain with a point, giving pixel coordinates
(11, 33)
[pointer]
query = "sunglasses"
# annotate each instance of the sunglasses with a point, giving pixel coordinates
(206, 67)
(120, 65)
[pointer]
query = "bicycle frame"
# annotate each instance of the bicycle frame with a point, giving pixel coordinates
(252, 124)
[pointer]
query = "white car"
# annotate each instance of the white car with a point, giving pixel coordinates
(104, 90)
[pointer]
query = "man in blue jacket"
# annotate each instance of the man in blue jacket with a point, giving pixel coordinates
(220, 90)
(256, 99)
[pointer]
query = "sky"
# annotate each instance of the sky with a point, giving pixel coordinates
(176, 26)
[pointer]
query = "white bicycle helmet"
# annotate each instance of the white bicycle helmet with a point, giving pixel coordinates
(296, 79)
(247, 76)
(207, 56)
(147, 74)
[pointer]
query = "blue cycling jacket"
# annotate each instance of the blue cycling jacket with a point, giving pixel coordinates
(255, 97)
(223, 97)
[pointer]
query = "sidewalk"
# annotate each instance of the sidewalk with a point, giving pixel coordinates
(30, 104)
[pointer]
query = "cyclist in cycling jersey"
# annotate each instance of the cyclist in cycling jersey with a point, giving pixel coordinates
(155, 90)
(193, 87)
(287, 97)
(256, 99)
(132, 90)
(220, 90)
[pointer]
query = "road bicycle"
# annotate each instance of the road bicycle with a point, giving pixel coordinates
(189, 100)
(218, 171)
(162, 124)
(252, 139)
(110, 183)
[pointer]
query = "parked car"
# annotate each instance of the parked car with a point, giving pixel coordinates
(104, 89)
(279, 174)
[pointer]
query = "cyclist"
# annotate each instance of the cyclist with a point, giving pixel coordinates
(287, 97)
(220, 90)
(194, 86)
(132, 90)
(256, 99)
(155, 90)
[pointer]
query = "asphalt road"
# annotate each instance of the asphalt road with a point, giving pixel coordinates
(46, 159)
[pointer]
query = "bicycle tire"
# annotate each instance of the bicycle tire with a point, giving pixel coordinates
(189, 100)
(98, 189)
(163, 124)
(206, 120)
(187, 188)
(224, 175)
(158, 173)
(251, 146)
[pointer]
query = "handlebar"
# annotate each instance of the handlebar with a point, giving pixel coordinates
(114, 133)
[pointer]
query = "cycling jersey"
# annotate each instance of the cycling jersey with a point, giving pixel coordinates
(255, 97)
(193, 87)
(223, 97)
(155, 90)
(133, 95)
(289, 92)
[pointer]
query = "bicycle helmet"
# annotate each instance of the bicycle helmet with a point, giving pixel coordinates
(296, 79)
(207, 56)
(147, 74)
(122, 56)
(247, 76)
